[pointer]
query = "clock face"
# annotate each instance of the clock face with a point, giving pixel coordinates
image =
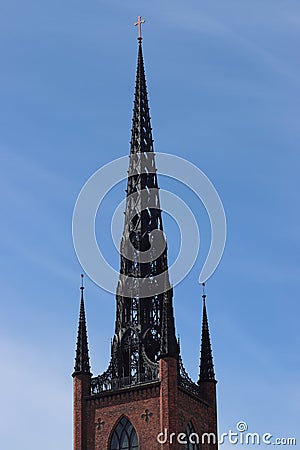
(152, 344)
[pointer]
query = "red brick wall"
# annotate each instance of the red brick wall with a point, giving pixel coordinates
(169, 406)
(202, 415)
(168, 399)
(105, 411)
(81, 388)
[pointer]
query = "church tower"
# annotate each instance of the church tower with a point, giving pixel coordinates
(145, 400)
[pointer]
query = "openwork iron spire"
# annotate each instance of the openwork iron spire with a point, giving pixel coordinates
(144, 314)
(207, 372)
(144, 325)
(82, 360)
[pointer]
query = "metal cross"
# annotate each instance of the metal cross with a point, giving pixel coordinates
(146, 415)
(99, 424)
(139, 24)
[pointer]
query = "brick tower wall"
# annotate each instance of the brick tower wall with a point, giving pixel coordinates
(104, 411)
(151, 409)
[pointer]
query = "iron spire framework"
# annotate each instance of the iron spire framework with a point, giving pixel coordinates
(82, 360)
(145, 389)
(144, 324)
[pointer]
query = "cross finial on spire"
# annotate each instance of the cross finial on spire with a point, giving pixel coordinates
(82, 286)
(139, 25)
(203, 292)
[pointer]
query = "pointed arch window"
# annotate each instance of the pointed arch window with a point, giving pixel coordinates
(192, 438)
(124, 436)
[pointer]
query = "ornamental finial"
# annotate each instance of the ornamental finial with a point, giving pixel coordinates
(82, 286)
(139, 25)
(203, 292)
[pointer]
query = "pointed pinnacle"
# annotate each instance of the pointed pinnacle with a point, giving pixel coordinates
(168, 342)
(82, 360)
(206, 360)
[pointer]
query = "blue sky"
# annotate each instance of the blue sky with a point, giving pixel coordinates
(223, 81)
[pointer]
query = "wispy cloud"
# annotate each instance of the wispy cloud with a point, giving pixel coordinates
(217, 22)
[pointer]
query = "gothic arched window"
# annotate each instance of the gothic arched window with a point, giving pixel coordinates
(124, 436)
(191, 437)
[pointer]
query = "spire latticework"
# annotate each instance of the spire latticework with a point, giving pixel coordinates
(145, 325)
(141, 132)
(82, 360)
(207, 372)
(140, 294)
